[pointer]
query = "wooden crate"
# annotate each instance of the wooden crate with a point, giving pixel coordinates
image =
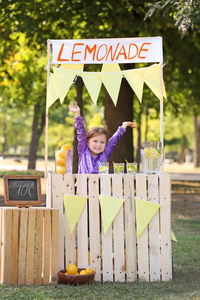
(117, 255)
(29, 246)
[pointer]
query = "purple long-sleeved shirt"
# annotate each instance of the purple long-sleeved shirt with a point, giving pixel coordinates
(88, 164)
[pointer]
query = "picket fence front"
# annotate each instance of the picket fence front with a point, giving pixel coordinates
(117, 255)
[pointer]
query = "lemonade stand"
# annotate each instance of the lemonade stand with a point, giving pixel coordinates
(118, 225)
(132, 241)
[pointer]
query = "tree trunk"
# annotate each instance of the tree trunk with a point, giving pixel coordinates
(79, 102)
(114, 116)
(181, 154)
(138, 157)
(197, 141)
(37, 129)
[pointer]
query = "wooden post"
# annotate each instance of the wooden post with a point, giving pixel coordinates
(15, 244)
(165, 220)
(95, 255)
(130, 232)
(54, 246)
(30, 247)
(57, 198)
(154, 242)
(107, 263)
(82, 225)
(39, 248)
(143, 265)
(70, 239)
(161, 105)
(118, 231)
(47, 110)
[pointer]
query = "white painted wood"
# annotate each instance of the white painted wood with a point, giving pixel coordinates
(95, 255)
(165, 218)
(107, 259)
(130, 230)
(154, 243)
(48, 189)
(143, 262)
(70, 239)
(82, 226)
(57, 200)
(119, 263)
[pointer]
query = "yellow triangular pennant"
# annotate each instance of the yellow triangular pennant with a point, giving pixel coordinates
(152, 79)
(141, 73)
(64, 79)
(110, 68)
(145, 210)
(173, 236)
(74, 205)
(109, 209)
(52, 93)
(112, 82)
(111, 76)
(93, 84)
(135, 81)
(77, 67)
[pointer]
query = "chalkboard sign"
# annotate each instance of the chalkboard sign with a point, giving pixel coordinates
(21, 190)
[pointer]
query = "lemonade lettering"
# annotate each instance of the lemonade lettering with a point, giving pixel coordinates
(102, 52)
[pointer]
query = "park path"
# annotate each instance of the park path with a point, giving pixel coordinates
(174, 176)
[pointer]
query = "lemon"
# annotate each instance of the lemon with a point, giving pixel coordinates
(83, 272)
(89, 270)
(60, 170)
(153, 153)
(72, 269)
(65, 147)
(62, 153)
(60, 161)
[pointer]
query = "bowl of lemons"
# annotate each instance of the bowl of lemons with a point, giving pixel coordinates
(74, 275)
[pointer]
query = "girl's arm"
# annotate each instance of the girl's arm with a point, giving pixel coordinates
(80, 129)
(117, 136)
(128, 124)
(75, 110)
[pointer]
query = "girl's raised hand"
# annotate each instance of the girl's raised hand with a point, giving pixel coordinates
(128, 124)
(75, 110)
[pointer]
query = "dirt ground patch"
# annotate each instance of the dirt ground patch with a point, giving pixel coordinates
(186, 199)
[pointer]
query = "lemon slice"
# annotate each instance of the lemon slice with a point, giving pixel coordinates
(153, 153)
(103, 169)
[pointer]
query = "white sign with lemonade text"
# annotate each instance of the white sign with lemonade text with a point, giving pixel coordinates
(100, 51)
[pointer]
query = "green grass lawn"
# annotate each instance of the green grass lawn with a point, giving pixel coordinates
(185, 285)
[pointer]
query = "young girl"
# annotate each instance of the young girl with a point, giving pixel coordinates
(94, 146)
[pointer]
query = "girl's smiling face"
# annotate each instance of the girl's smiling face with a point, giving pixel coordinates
(97, 144)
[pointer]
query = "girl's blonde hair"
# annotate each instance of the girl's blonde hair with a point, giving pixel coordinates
(94, 131)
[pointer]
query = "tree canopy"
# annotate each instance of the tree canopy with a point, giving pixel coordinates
(185, 13)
